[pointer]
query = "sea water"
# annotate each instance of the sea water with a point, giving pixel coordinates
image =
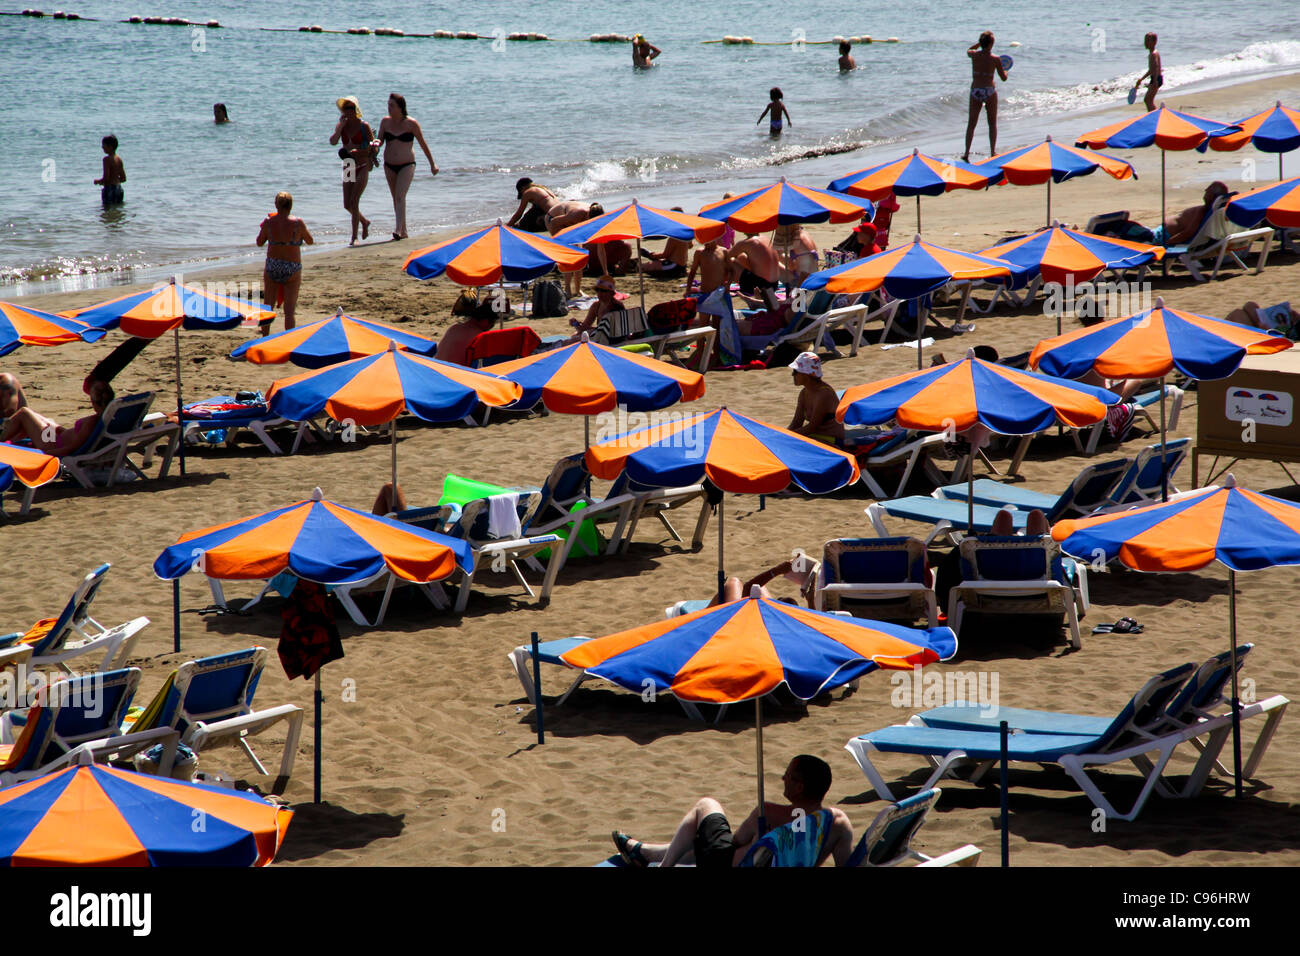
(569, 113)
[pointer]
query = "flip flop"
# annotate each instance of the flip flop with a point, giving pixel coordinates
(1125, 625)
(629, 850)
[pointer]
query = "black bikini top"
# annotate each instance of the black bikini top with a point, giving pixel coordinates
(404, 137)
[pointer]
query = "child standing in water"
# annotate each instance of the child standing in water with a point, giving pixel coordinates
(114, 176)
(1153, 71)
(777, 110)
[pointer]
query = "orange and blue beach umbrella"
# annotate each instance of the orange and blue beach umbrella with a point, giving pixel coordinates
(20, 325)
(784, 203)
(914, 175)
(1278, 205)
(1237, 527)
(169, 308)
(377, 388)
(102, 816)
(32, 468)
(1049, 162)
(1061, 255)
(330, 341)
(911, 271)
(961, 395)
(166, 308)
(586, 378)
(493, 255)
(637, 222)
(736, 454)
(748, 648)
(1275, 130)
(319, 541)
(1163, 127)
(1152, 344)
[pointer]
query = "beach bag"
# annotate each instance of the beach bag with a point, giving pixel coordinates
(548, 300)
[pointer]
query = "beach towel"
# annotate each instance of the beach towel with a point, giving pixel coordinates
(718, 303)
(309, 638)
(798, 843)
(503, 515)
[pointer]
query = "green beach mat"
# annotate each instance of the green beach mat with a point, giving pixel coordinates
(460, 491)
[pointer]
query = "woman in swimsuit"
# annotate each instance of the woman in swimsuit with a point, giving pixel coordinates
(399, 134)
(777, 109)
(799, 250)
(983, 94)
(283, 235)
(49, 436)
(358, 155)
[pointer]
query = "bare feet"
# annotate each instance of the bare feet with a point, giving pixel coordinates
(365, 228)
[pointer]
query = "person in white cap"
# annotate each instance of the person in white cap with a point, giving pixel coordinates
(814, 413)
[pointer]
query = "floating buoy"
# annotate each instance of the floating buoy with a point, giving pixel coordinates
(33, 13)
(839, 39)
(135, 20)
(60, 15)
(466, 35)
(444, 34)
(891, 40)
(74, 16)
(214, 25)
(1015, 43)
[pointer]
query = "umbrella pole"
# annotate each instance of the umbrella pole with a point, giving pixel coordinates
(970, 491)
(392, 431)
(180, 407)
(1236, 699)
(758, 736)
(316, 752)
(586, 447)
(176, 615)
(1164, 446)
(1004, 797)
(1049, 200)
(640, 276)
(501, 284)
(1162, 191)
(722, 575)
(918, 214)
(920, 328)
(1279, 167)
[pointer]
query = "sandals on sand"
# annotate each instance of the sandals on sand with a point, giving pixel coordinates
(1125, 625)
(629, 850)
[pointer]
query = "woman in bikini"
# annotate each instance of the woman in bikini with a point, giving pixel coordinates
(399, 134)
(798, 249)
(983, 94)
(49, 436)
(358, 155)
(283, 236)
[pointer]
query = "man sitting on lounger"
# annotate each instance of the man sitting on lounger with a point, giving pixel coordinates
(704, 836)
(814, 413)
(756, 267)
(455, 341)
(1180, 229)
(49, 436)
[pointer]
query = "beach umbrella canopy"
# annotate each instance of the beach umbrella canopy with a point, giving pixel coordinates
(1152, 344)
(20, 325)
(1162, 127)
(1278, 205)
(167, 308)
(33, 468)
(1062, 255)
(784, 203)
(102, 816)
(958, 396)
(1237, 527)
(637, 222)
(492, 255)
(909, 272)
(319, 541)
(1049, 162)
(914, 175)
(737, 454)
(1274, 130)
(586, 378)
(748, 648)
(330, 341)
(377, 388)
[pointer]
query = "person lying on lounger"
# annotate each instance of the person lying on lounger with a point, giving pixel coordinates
(49, 436)
(947, 573)
(1281, 317)
(1181, 228)
(705, 838)
(734, 589)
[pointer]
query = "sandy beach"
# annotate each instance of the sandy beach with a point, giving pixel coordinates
(436, 761)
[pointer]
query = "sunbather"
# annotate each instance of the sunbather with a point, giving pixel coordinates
(604, 304)
(1280, 316)
(798, 250)
(390, 498)
(756, 267)
(735, 590)
(49, 436)
(455, 341)
(12, 397)
(947, 573)
(704, 836)
(710, 263)
(1180, 229)
(814, 412)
